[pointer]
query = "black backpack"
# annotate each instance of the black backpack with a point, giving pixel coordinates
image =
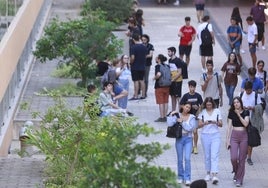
(206, 37)
(184, 69)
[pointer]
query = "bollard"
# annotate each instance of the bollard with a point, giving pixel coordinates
(26, 149)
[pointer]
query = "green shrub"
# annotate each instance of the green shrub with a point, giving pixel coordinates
(98, 152)
(116, 10)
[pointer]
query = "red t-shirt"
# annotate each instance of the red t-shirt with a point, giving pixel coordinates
(187, 31)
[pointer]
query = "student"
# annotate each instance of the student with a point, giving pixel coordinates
(211, 84)
(175, 64)
(106, 102)
(185, 143)
(230, 71)
(161, 92)
(196, 100)
(187, 34)
(252, 35)
(237, 139)
(210, 120)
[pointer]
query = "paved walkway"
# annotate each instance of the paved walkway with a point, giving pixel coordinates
(162, 23)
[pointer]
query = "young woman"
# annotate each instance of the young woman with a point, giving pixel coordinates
(230, 71)
(123, 74)
(210, 120)
(185, 143)
(237, 139)
(161, 93)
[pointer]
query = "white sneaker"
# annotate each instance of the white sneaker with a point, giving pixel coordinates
(242, 51)
(177, 3)
(207, 178)
(187, 182)
(180, 181)
(215, 180)
(263, 48)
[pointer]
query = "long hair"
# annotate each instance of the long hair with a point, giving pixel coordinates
(235, 60)
(232, 108)
(187, 102)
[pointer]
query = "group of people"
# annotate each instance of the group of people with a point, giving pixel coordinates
(195, 111)
(245, 108)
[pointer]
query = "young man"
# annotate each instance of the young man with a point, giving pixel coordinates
(250, 101)
(211, 84)
(137, 64)
(187, 35)
(149, 56)
(206, 50)
(252, 39)
(196, 100)
(175, 65)
(259, 17)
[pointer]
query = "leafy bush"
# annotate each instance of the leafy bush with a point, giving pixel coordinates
(116, 10)
(98, 152)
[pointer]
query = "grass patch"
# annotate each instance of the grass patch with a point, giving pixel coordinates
(68, 89)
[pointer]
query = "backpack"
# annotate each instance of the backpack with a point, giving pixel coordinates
(184, 69)
(105, 77)
(165, 78)
(206, 37)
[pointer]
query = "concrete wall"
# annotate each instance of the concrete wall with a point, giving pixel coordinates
(11, 49)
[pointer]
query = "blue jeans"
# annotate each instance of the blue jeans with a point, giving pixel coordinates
(122, 102)
(211, 143)
(230, 92)
(184, 149)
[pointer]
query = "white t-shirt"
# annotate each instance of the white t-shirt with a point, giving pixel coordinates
(201, 27)
(252, 31)
(249, 100)
(215, 116)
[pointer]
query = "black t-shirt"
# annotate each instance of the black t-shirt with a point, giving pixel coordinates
(102, 67)
(149, 47)
(195, 99)
(235, 119)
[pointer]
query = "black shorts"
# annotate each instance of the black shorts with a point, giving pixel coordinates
(137, 75)
(183, 49)
(206, 50)
(175, 89)
(199, 6)
(261, 29)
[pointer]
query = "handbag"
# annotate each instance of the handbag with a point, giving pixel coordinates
(174, 131)
(254, 138)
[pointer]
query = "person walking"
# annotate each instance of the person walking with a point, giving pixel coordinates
(206, 41)
(234, 35)
(262, 75)
(251, 100)
(161, 92)
(259, 17)
(123, 74)
(175, 64)
(200, 7)
(252, 38)
(149, 56)
(187, 34)
(237, 139)
(196, 100)
(230, 71)
(236, 14)
(137, 65)
(211, 84)
(210, 120)
(184, 144)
